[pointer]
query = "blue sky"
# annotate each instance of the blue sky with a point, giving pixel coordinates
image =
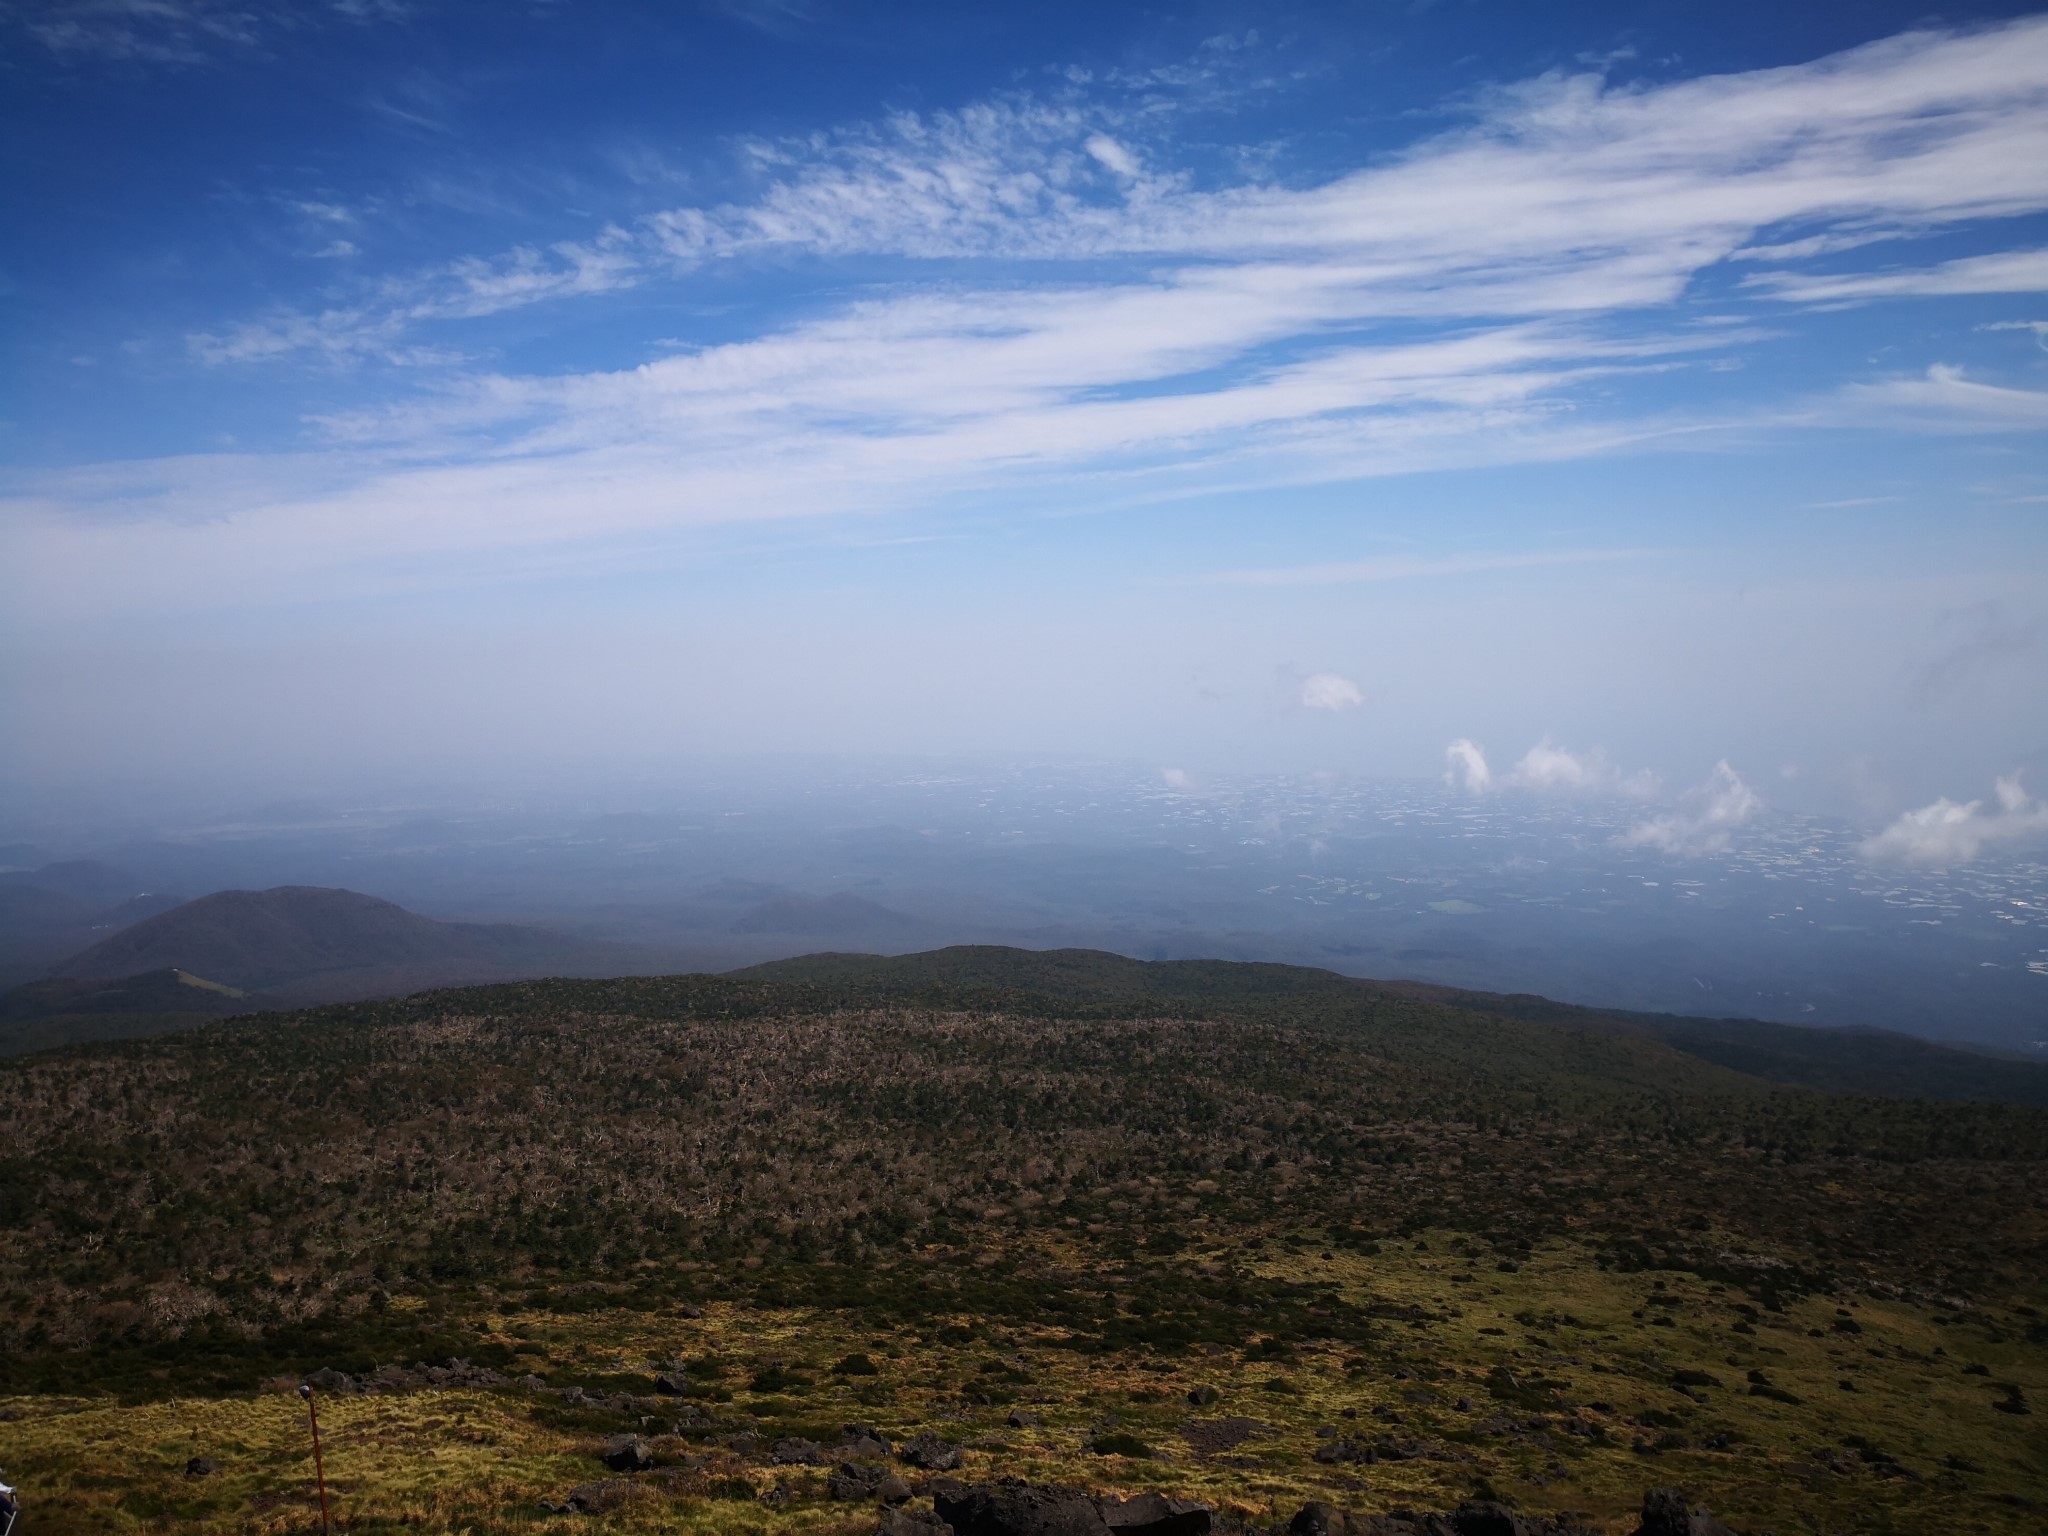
(1231, 387)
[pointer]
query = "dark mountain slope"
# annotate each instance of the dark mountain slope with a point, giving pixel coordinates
(294, 936)
(150, 992)
(1832, 1061)
(68, 1010)
(1873, 1061)
(57, 909)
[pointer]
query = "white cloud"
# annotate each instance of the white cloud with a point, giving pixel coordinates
(1327, 690)
(466, 289)
(2002, 272)
(1546, 768)
(1113, 156)
(1465, 767)
(1946, 833)
(1944, 400)
(1564, 196)
(1549, 766)
(1704, 821)
(1177, 336)
(1177, 779)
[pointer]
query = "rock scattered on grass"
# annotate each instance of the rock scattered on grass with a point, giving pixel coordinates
(627, 1453)
(1666, 1512)
(860, 1481)
(863, 1442)
(912, 1522)
(927, 1451)
(1013, 1507)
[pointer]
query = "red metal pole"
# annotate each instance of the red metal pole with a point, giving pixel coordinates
(319, 1471)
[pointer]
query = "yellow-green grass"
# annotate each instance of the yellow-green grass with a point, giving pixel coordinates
(1919, 1445)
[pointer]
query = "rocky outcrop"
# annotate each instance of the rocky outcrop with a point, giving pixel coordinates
(627, 1453)
(927, 1451)
(862, 1442)
(863, 1480)
(1012, 1507)
(1667, 1512)
(912, 1522)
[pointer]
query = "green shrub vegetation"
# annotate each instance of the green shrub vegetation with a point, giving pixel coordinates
(1566, 1260)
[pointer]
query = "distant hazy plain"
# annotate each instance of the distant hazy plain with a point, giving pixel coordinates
(714, 868)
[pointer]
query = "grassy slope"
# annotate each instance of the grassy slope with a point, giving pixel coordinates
(1827, 1060)
(1017, 1179)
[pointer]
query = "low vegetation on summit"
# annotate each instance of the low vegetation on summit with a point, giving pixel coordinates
(677, 1253)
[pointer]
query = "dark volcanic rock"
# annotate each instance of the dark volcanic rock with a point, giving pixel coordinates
(201, 1466)
(1202, 1397)
(1481, 1517)
(856, 1480)
(1408, 1450)
(1318, 1519)
(1475, 1517)
(627, 1453)
(863, 1442)
(912, 1522)
(1338, 1452)
(672, 1384)
(1014, 1507)
(1666, 1513)
(925, 1449)
(792, 1452)
(332, 1381)
(1152, 1514)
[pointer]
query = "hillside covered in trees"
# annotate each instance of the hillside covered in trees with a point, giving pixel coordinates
(1552, 1254)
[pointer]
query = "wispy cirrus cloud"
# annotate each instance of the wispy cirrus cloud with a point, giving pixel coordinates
(178, 31)
(1099, 319)
(1564, 196)
(469, 288)
(2002, 272)
(1941, 400)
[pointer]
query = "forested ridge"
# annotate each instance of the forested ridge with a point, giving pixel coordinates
(698, 1137)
